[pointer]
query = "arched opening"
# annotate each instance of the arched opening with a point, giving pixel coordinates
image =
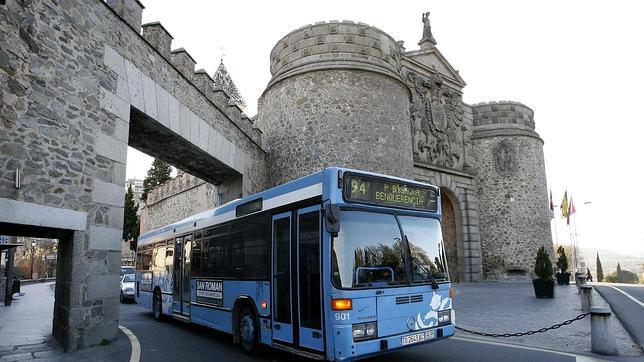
(450, 235)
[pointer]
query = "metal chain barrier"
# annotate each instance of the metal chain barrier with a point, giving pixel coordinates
(528, 333)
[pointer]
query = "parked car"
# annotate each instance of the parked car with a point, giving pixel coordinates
(127, 288)
(126, 269)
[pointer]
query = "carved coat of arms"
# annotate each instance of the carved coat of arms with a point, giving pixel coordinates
(437, 121)
(505, 157)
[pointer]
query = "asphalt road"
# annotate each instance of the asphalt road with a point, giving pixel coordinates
(177, 341)
(630, 313)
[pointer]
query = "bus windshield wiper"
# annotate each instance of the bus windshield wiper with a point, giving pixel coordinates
(415, 261)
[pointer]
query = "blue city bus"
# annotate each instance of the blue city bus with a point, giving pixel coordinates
(337, 265)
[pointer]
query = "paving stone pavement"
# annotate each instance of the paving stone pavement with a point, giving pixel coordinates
(510, 307)
(25, 331)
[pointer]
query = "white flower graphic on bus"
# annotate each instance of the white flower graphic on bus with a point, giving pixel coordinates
(430, 319)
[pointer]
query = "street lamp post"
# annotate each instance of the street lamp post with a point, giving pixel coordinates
(33, 249)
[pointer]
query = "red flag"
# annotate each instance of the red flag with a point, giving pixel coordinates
(571, 210)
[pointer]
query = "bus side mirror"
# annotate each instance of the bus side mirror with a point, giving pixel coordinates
(332, 218)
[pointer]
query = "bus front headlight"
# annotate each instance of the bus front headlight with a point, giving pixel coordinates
(444, 317)
(364, 331)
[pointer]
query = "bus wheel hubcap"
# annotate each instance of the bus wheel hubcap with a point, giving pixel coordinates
(247, 329)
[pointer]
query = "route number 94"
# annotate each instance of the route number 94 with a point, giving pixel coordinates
(344, 316)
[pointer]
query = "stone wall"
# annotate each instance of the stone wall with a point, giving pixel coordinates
(78, 83)
(336, 99)
(460, 188)
(183, 196)
(511, 179)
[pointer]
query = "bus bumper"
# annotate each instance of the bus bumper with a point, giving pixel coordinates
(346, 349)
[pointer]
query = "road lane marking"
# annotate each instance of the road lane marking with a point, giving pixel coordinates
(136, 346)
(628, 296)
(577, 357)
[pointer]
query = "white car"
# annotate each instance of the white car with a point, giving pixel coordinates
(127, 287)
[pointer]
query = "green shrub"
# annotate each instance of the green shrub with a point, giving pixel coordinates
(543, 267)
(562, 261)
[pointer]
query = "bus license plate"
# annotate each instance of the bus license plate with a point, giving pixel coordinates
(417, 338)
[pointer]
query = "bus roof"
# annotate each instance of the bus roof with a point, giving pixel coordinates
(292, 191)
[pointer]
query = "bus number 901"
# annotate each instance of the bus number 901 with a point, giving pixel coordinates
(342, 316)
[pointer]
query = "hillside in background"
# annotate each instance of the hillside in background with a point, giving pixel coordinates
(610, 259)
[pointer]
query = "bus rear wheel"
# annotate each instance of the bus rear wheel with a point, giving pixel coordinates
(248, 331)
(156, 305)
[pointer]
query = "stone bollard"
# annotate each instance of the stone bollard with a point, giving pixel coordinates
(602, 337)
(586, 295)
(580, 279)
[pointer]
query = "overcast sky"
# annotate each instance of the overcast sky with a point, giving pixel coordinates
(578, 64)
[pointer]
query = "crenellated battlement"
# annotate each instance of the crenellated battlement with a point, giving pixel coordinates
(335, 44)
(131, 11)
(502, 112)
(183, 182)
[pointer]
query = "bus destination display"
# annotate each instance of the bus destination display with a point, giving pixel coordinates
(359, 188)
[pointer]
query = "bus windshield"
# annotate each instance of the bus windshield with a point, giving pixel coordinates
(425, 246)
(369, 251)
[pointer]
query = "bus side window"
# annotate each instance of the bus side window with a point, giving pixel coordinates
(199, 258)
(218, 264)
(169, 255)
(144, 259)
(250, 247)
(159, 256)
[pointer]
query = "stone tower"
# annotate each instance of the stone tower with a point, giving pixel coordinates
(511, 179)
(336, 98)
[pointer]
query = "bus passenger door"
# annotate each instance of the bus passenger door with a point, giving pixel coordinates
(185, 294)
(177, 276)
(308, 279)
(281, 289)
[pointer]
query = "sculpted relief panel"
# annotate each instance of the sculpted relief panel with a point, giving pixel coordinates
(505, 158)
(437, 122)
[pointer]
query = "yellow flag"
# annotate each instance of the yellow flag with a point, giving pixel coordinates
(564, 205)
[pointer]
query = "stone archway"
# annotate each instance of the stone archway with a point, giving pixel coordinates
(450, 235)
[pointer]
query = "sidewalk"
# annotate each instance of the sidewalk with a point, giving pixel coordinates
(25, 331)
(510, 307)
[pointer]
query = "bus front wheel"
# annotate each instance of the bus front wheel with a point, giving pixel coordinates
(248, 331)
(156, 305)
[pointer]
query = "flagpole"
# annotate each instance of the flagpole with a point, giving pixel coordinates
(574, 223)
(574, 249)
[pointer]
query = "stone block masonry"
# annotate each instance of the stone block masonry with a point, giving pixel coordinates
(78, 84)
(511, 179)
(330, 103)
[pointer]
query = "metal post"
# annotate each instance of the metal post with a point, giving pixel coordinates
(9, 285)
(33, 250)
(31, 274)
(602, 337)
(586, 295)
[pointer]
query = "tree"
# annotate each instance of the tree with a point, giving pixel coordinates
(600, 271)
(543, 266)
(622, 276)
(157, 174)
(130, 219)
(619, 273)
(562, 261)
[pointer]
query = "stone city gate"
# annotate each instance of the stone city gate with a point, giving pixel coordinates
(82, 80)
(79, 83)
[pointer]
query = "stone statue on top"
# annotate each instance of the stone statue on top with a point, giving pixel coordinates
(428, 40)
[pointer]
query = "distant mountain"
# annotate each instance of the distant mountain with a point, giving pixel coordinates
(610, 259)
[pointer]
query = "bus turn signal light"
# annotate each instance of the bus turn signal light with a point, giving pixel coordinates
(264, 304)
(451, 293)
(341, 304)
